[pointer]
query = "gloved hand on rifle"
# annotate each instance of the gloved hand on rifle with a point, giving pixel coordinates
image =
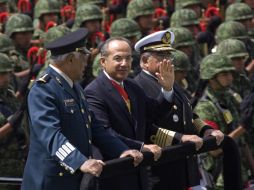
(247, 111)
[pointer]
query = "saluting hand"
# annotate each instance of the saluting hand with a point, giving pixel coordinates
(193, 138)
(155, 149)
(166, 75)
(138, 156)
(93, 167)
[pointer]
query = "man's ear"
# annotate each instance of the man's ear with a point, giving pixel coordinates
(144, 60)
(70, 58)
(103, 61)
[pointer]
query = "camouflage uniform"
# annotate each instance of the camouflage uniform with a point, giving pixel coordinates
(181, 64)
(19, 23)
(240, 12)
(44, 7)
(7, 47)
(235, 30)
(183, 17)
(11, 151)
(52, 34)
(233, 48)
(220, 109)
(180, 4)
(88, 12)
(128, 28)
(138, 8)
(184, 38)
(81, 2)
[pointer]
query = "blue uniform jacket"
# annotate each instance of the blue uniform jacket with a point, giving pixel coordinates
(62, 129)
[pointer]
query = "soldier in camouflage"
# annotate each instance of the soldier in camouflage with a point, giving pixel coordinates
(182, 68)
(12, 136)
(7, 47)
(90, 16)
(195, 5)
(52, 34)
(97, 2)
(185, 42)
(243, 13)
(45, 11)
(185, 18)
(129, 29)
(219, 108)
(236, 51)
(19, 28)
(142, 12)
(236, 30)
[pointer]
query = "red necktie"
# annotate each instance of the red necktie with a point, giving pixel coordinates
(123, 93)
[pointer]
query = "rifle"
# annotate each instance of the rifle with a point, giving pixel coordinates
(199, 92)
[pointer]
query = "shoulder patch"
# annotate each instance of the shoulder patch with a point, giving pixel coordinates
(44, 79)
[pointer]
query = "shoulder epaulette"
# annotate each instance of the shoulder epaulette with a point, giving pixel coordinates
(44, 79)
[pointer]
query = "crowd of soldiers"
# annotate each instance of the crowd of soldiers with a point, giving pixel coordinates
(213, 62)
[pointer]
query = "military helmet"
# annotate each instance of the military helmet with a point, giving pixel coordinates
(214, 64)
(232, 48)
(6, 44)
(238, 11)
(87, 12)
(183, 17)
(138, 8)
(125, 27)
(81, 2)
(18, 23)
(231, 29)
(45, 7)
(181, 61)
(6, 64)
(183, 37)
(55, 32)
(180, 4)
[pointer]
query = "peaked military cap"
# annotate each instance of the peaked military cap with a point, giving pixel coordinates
(158, 41)
(74, 41)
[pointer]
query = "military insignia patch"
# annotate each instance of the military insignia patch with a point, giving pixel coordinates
(69, 102)
(166, 38)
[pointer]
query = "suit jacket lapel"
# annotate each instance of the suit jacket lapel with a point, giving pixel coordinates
(115, 95)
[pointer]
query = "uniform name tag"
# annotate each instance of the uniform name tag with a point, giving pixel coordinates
(69, 102)
(227, 116)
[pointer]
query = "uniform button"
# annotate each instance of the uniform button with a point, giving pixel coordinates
(61, 164)
(87, 126)
(72, 111)
(66, 168)
(90, 142)
(175, 107)
(60, 174)
(82, 110)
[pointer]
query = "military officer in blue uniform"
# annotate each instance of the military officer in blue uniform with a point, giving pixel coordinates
(62, 128)
(179, 118)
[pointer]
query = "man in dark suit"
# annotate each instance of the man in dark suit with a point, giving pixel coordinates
(62, 127)
(179, 117)
(122, 106)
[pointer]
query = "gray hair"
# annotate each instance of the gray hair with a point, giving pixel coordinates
(60, 58)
